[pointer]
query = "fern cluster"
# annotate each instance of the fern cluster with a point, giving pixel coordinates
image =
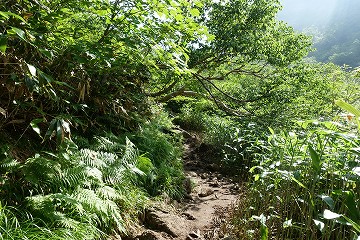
(89, 188)
(77, 193)
(83, 186)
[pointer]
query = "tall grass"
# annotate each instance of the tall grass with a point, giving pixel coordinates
(306, 186)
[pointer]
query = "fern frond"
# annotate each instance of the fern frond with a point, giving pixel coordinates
(8, 164)
(65, 221)
(39, 170)
(91, 158)
(94, 175)
(107, 192)
(115, 176)
(70, 177)
(106, 210)
(108, 158)
(130, 154)
(108, 144)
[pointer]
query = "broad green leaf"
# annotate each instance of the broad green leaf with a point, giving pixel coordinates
(356, 170)
(328, 200)
(330, 215)
(316, 163)
(195, 12)
(46, 53)
(3, 43)
(48, 78)
(352, 206)
(32, 84)
(264, 231)
(348, 107)
(19, 32)
(319, 224)
(34, 125)
(51, 129)
(32, 69)
(355, 225)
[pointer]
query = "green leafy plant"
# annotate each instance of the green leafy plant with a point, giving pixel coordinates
(306, 184)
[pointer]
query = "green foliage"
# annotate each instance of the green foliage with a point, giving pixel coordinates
(82, 187)
(306, 184)
(74, 69)
(68, 59)
(30, 228)
(354, 112)
(82, 193)
(161, 156)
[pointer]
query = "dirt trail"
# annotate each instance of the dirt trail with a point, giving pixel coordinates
(200, 215)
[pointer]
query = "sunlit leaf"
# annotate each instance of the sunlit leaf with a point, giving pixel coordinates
(319, 224)
(10, 14)
(32, 70)
(348, 107)
(354, 224)
(102, 12)
(287, 223)
(356, 170)
(330, 215)
(18, 32)
(3, 112)
(195, 12)
(4, 15)
(298, 182)
(34, 125)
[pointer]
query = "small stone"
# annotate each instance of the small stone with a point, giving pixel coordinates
(192, 174)
(150, 235)
(203, 176)
(189, 216)
(214, 184)
(206, 192)
(194, 235)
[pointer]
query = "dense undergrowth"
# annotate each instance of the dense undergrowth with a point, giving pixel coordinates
(301, 181)
(90, 188)
(85, 142)
(306, 186)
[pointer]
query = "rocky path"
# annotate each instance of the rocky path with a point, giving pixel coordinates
(201, 214)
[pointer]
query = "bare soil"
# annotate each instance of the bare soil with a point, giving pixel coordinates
(203, 211)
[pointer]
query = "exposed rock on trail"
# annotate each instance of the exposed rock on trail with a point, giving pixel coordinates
(209, 197)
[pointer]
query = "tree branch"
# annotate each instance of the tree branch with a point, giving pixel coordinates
(163, 91)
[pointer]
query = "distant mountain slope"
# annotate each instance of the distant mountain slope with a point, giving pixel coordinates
(335, 25)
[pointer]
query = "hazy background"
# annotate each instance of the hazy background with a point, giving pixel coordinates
(305, 13)
(334, 24)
